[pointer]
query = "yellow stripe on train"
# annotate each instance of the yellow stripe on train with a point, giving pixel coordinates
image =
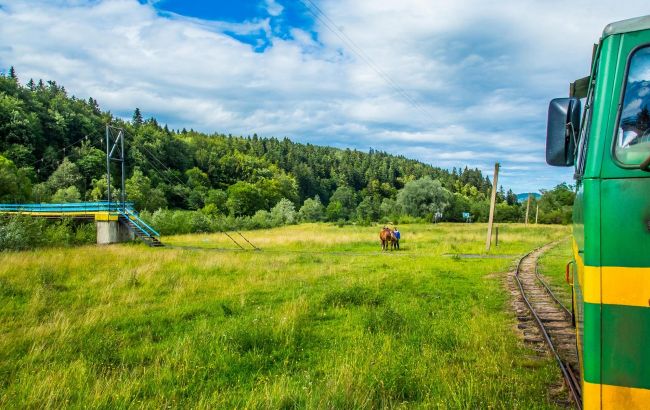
(588, 278)
(622, 285)
(614, 397)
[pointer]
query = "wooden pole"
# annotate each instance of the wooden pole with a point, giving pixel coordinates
(536, 214)
(527, 208)
(493, 200)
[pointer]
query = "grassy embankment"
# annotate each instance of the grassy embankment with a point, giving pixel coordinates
(318, 318)
(552, 268)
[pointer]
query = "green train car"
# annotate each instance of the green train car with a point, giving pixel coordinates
(608, 143)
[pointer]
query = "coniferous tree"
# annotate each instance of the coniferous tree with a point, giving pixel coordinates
(12, 74)
(137, 117)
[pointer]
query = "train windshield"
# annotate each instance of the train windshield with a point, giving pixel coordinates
(633, 138)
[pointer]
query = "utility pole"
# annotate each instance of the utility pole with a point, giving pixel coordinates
(115, 152)
(528, 208)
(536, 214)
(108, 166)
(493, 200)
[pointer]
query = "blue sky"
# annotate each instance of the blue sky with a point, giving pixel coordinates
(282, 17)
(451, 83)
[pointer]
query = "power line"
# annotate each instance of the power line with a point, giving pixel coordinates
(331, 26)
(187, 186)
(85, 137)
(157, 170)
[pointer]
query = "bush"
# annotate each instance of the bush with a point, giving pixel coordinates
(20, 232)
(23, 232)
(261, 220)
(312, 210)
(283, 213)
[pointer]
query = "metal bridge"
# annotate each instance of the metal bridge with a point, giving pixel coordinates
(110, 217)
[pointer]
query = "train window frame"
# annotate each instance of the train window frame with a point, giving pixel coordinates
(581, 148)
(584, 137)
(619, 113)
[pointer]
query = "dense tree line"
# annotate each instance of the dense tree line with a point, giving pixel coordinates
(52, 149)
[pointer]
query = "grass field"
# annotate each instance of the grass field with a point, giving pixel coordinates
(319, 318)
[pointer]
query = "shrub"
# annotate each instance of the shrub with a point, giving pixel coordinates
(261, 220)
(20, 232)
(23, 232)
(283, 213)
(312, 210)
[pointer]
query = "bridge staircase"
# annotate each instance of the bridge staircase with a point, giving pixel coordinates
(139, 228)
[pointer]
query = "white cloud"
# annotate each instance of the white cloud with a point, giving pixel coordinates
(481, 73)
(274, 8)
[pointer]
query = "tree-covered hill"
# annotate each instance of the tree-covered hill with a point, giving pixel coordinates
(52, 149)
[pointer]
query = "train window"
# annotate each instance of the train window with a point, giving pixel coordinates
(632, 144)
(584, 131)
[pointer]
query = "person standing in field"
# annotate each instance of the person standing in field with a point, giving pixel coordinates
(397, 236)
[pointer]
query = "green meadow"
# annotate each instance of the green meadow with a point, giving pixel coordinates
(318, 318)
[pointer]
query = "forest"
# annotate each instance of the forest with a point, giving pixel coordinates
(52, 149)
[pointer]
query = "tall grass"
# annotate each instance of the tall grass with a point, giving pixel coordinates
(318, 319)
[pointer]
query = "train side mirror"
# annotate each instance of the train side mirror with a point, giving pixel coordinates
(562, 131)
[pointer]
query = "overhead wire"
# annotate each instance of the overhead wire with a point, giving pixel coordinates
(329, 24)
(152, 155)
(84, 138)
(164, 177)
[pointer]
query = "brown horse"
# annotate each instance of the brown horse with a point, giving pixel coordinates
(387, 239)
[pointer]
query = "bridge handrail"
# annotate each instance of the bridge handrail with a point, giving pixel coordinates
(148, 229)
(100, 206)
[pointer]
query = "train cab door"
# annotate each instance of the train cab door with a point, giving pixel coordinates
(625, 233)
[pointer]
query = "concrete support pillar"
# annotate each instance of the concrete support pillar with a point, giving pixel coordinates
(112, 232)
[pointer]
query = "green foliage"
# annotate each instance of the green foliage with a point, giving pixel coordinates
(335, 211)
(15, 185)
(23, 232)
(244, 198)
(312, 210)
(368, 209)
(140, 192)
(283, 213)
(556, 205)
(216, 202)
(508, 213)
(65, 176)
(137, 118)
(423, 198)
(69, 194)
(459, 203)
(390, 210)
(480, 211)
(261, 220)
(91, 162)
(344, 204)
(20, 232)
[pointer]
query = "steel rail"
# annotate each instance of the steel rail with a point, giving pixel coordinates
(551, 294)
(572, 383)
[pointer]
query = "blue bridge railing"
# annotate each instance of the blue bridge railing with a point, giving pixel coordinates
(126, 210)
(89, 207)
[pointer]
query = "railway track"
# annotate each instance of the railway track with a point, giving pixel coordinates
(545, 322)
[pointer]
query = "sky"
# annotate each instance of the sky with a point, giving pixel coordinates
(451, 83)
